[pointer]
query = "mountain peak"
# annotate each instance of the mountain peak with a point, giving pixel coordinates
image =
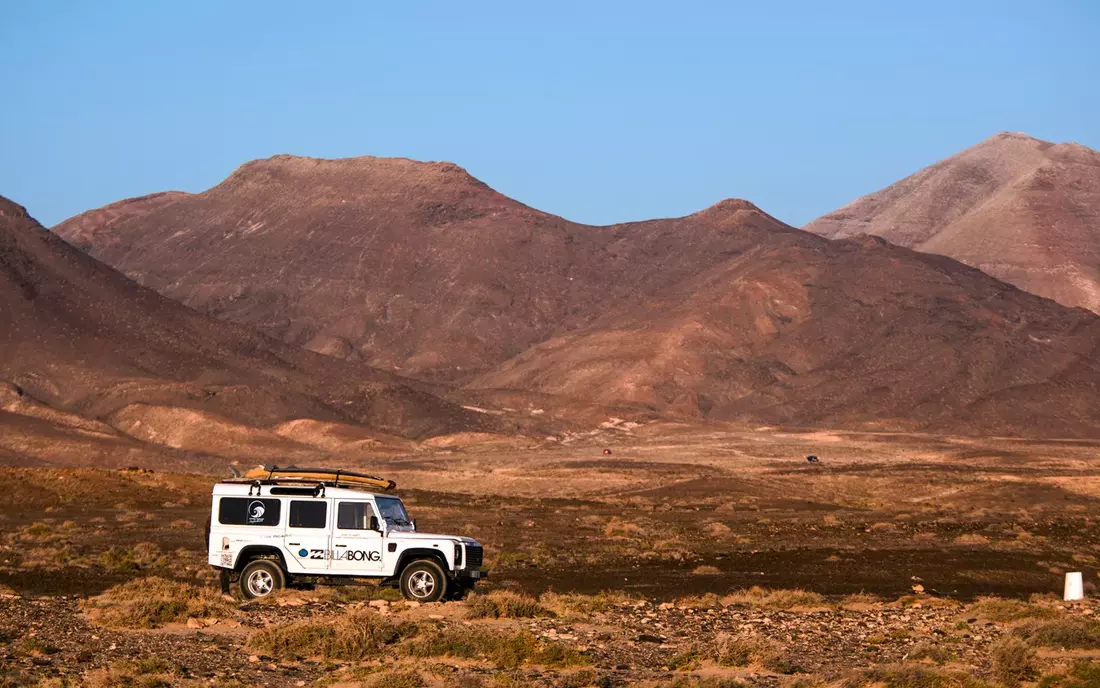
(9, 208)
(1019, 208)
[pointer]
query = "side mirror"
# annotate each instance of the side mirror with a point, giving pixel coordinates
(374, 523)
(414, 524)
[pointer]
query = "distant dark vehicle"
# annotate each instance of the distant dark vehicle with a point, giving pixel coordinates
(812, 458)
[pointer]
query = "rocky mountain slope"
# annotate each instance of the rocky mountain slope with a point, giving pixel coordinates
(85, 350)
(414, 267)
(726, 314)
(1023, 210)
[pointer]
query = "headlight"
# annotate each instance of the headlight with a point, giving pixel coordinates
(458, 555)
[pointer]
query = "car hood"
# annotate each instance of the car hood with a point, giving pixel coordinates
(412, 535)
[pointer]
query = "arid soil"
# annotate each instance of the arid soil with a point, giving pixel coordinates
(1020, 209)
(891, 537)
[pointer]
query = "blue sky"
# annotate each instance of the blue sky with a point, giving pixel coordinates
(598, 111)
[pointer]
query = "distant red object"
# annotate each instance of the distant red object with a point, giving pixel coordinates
(607, 452)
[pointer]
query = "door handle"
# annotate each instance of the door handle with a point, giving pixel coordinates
(293, 544)
(341, 545)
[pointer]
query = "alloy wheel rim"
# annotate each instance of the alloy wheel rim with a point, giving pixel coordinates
(260, 583)
(421, 584)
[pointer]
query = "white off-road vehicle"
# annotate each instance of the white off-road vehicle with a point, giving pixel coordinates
(275, 526)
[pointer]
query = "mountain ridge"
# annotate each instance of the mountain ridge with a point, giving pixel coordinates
(1024, 210)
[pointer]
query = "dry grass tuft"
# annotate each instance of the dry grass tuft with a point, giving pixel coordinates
(570, 604)
(1071, 634)
(774, 599)
(971, 539)
(705, 601)
(737, 651)
(407, 678)
(359, 635)
(932, 653)
(912, 676)
(1081, 674)
(702, 682)
(1013, 661)
(153, 602)
(506, 649)
(997, 609)
(505, 605)
(860, 599)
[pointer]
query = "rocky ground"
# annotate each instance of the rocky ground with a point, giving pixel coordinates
(616, 642)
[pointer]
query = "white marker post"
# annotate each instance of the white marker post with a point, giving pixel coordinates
(1075, 587)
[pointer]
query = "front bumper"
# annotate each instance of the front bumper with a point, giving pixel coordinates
(472, 575)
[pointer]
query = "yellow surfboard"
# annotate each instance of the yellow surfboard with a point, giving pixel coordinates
(333, 476)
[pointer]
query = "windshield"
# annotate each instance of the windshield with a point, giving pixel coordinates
(393, 511)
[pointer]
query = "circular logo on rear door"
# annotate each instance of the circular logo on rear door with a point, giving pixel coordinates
(256, 512)
(303, 552)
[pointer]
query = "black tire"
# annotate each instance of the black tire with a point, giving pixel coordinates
(424, 581)
(260, 578)
(458, 591)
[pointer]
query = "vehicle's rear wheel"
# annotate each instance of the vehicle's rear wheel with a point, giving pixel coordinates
(260, 578)
(423, 581)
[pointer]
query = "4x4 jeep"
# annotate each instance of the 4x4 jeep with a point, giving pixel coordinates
(268, 533)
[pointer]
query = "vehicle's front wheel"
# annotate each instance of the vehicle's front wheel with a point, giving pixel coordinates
(261, 578)
(423, 581)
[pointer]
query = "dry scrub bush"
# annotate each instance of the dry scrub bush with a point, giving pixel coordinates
(146, 672)
(700, 682)
(1071, 634)
(971, 539)
(572, 604)
(997, 609)
(618, 527)
(1082, 674)
(860, 599)
(911, 676)
(736, 651)
(505, 649)
(774, 599)
(931, 652)
(153, 602)
(705, 601)
(143, 555)
(359, 635)
(1013, 661)
(706, 570)
(505, 605)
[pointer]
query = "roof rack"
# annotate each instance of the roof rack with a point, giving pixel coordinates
(295, 475)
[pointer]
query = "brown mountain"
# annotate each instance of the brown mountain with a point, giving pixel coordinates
(85, 349)
(1023, 210)
(414, 267)
(727, 313)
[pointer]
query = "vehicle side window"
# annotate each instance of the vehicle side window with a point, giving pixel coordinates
(248, 511)
(354, 515)
(308, 514)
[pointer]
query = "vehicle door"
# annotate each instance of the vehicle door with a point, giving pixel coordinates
(307, 534)
(357, 539)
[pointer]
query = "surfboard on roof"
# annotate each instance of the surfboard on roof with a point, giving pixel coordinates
(335, 476)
